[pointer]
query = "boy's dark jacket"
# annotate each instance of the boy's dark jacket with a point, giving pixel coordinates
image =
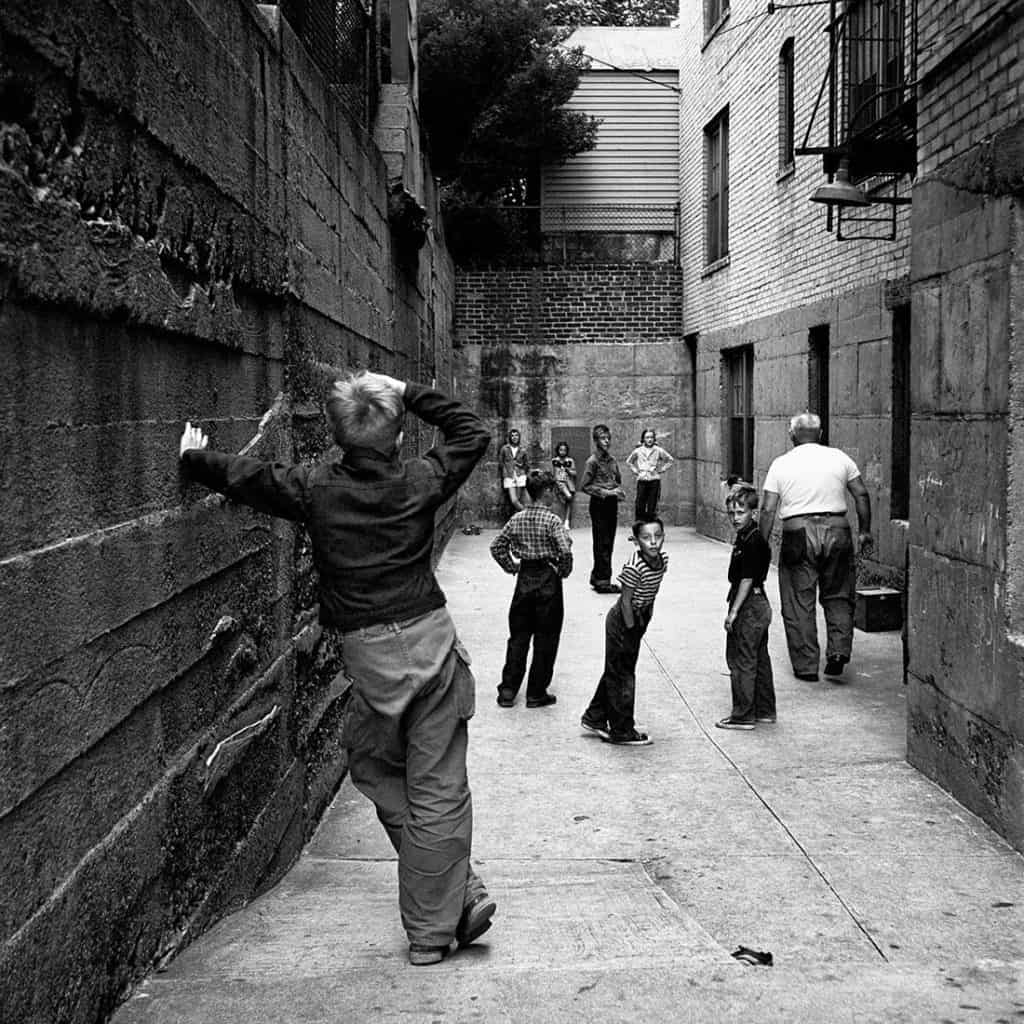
(370, 516)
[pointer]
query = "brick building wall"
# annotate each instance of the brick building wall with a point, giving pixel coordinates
(554, 350)
(964, 653)
(189, 229)
(785, 275)
(573, 303)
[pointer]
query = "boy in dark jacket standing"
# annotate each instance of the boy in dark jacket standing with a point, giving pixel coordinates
(603, 482)
(370, 517)
(748, 618)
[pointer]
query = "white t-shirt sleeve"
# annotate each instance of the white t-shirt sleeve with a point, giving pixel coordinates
(771, 481)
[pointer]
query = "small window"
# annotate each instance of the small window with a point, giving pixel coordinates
(787, 117)
(899, 489)
(738, 373)
(716, 148)
(817, 376)
(714, 12)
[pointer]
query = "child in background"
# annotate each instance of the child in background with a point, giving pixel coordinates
(514, 466)
(603, 482)
(746, 624)
(610, 714)
(648, 460)
(564, 467)
(535, 546)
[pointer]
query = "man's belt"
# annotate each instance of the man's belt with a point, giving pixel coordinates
(798, 521)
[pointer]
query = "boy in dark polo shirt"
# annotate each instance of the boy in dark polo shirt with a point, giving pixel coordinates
(746, 624)
(603, 482)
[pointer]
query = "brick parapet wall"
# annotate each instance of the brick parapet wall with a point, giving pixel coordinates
(572, 304)
(188, 229)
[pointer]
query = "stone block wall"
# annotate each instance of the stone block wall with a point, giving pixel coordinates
(860, 422)
(965, 712)
(189, 229)
(554, 350)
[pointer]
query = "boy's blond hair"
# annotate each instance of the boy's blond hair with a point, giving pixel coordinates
(742, 493)
(365, 412)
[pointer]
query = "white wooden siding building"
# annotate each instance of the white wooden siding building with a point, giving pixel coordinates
(629, 182)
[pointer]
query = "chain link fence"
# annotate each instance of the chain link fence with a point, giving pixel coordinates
(342, 37)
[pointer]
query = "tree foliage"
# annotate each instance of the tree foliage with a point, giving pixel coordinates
(630, 13)
(493, 88)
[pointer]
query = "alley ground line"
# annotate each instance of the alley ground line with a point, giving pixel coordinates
(764, 803)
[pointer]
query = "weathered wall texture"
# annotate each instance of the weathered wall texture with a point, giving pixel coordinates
(188, 228)
(785, 273)
(550, 348)
(965, 723)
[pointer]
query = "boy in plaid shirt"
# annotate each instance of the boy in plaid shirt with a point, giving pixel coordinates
(535, 546)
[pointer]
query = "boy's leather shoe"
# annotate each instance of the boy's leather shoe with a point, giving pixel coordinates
(807, 677)
(423, 956)
(505, 701)
(834, 666)
(541, 702)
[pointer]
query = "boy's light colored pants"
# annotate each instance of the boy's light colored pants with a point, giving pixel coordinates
(406, 731)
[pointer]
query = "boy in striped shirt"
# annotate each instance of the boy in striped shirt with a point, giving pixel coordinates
(610, 713)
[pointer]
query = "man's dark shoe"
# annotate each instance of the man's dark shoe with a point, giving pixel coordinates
(505, 701)
(607, 588)
(475, 919)
(767, 719)
(541, 702)
(807, 677)
(834, 666)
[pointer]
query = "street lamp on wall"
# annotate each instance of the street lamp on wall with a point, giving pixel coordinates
(840, 191)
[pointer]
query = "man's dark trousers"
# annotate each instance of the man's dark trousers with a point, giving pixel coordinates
(604, 517)
(536, 614)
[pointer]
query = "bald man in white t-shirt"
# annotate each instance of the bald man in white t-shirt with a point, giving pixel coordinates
(807, 488)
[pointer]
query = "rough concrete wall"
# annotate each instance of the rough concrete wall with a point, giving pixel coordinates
(860, 374)
(541, 388)
(188, 229)
(965, 721)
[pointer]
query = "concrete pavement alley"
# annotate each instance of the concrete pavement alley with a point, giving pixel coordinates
(625, 877)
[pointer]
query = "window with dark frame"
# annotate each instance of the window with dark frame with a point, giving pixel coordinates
(817, 375)
(714, 12)
(874, 60)
(899, 484)
(738, 370)
(787, 113)
(716, 150)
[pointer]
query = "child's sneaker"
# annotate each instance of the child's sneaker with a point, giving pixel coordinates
(766, 719)
(424, 956)
(597, 728)
(630, 739)
(734, 723)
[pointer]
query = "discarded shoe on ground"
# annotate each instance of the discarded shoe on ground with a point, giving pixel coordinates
(753, 956)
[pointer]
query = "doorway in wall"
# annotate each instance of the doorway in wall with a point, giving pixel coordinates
(817, 375)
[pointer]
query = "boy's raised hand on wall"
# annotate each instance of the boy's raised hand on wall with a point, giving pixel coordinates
(193, 437)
